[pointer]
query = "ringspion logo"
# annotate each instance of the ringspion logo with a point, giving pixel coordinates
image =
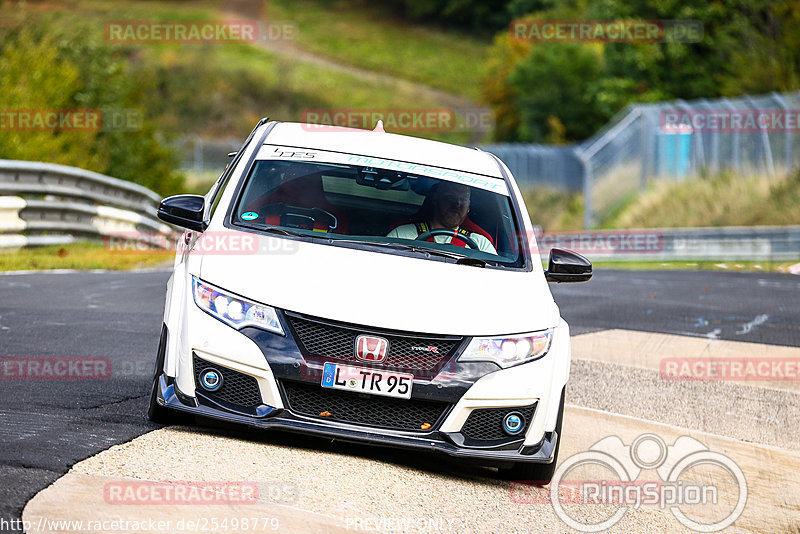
(706, 491)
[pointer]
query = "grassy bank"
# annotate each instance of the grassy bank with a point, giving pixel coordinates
(724, 200)
(554, 210)
(369, 36)
(82, 256)
(222, 89)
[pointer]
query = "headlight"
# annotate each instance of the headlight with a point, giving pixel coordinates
(508, 351)
(234, 311)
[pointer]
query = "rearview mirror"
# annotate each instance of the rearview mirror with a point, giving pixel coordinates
(185, 211)
(567, 266)
(382, 179)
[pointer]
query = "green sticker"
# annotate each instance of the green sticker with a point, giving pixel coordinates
(249, 216)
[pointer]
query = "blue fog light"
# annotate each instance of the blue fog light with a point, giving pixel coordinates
(513, 423)
(211, 379)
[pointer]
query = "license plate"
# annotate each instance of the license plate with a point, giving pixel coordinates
(365, 380)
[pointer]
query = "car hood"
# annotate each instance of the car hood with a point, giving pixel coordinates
(385, 290)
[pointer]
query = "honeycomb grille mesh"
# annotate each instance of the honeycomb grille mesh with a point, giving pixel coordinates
(237, 388)
(325, 341)
(311, 400)
(486, 424)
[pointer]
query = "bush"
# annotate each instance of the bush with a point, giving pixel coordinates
(41, 69)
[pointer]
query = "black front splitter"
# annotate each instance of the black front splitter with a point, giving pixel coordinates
(170, 397)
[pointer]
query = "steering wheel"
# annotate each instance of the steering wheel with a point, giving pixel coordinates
(424, 236)
(297, 217)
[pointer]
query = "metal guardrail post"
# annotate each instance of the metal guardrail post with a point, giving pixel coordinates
(768, 161)
(787, 135)
(588, 177)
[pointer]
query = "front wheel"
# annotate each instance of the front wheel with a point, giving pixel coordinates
(155, 412)
(538, 474)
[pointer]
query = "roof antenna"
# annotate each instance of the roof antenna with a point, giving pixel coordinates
(379, 127)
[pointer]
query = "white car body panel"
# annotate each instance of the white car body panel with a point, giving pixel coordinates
(348, 285)
(417, 295)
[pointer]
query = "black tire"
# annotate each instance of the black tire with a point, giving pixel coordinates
(155, 412)
(538, 474)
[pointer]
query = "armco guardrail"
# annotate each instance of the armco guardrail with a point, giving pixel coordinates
(45, 203)
(758, 243)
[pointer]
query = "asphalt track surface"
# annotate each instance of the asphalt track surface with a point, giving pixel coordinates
(46, 426)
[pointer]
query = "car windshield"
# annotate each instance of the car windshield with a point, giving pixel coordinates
(459, 217)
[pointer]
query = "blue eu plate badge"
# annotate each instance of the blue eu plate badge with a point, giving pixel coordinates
(328, 374)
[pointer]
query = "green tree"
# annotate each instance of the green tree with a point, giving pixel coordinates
(748, 46)
(558, 81)
(44, 69)
(34, 78)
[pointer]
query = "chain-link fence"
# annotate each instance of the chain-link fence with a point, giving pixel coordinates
(665, 141)
(541, 165)
(683, 140)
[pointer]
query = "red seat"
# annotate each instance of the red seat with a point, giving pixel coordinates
(304, 192)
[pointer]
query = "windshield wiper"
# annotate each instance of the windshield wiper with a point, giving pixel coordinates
(274, 230)
(462, 259)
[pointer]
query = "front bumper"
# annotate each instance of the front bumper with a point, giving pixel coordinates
(272, 361)
(170, 396)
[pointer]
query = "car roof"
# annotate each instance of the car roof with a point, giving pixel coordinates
(383, 145)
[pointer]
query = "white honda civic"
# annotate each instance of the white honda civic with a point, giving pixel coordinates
(370, 287)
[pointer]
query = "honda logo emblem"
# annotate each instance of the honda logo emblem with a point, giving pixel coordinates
(371, 349)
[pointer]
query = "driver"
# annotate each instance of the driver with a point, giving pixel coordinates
(450, 202)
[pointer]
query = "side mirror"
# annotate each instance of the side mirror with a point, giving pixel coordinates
(184, 210)
(567, 266)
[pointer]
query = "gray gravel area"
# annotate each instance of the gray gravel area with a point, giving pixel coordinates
(736, 410)
(364, 490)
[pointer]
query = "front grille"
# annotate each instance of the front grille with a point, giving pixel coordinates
(323, 341)
(311, 400)
(486, 424)
(237, 388)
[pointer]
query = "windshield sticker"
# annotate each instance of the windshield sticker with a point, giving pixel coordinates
(249, 216)
(495, 185)
(293, 154)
